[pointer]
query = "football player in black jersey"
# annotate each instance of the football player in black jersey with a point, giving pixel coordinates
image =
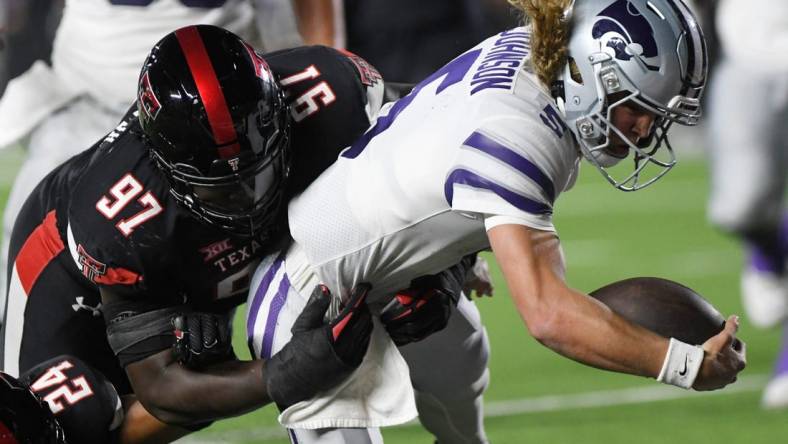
(57, 398)
(166, 217)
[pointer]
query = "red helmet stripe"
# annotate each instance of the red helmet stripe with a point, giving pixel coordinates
(210, 91)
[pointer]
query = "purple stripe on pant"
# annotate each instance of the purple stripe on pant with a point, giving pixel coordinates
(259, 295)
(273, 314)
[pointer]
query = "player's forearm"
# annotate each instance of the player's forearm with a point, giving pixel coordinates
(315, 21)
(566, 320)
(584, 330)
(140, 427)
(181, 396)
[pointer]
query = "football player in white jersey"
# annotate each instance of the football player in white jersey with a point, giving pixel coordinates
(475, 157)
(749, 160)
(99, 47)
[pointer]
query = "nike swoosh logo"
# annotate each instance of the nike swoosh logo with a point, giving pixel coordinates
(683, 371)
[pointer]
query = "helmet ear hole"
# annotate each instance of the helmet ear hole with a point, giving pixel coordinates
(574, 71)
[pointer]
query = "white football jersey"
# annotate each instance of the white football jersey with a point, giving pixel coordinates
(754, 33)
(100, 45)
(478, 143)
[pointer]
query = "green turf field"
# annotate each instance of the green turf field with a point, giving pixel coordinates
(536, 396)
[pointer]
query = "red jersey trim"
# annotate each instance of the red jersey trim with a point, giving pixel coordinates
(39, 249)
(100, 273)
(210, 91)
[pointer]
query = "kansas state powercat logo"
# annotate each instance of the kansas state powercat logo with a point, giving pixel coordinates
(150, 103)
(623, 28)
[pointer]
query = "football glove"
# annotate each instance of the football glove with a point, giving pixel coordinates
(425, 307)
(202, 338)
(320, 354)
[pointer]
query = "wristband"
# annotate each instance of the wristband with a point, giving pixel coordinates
(682, 364)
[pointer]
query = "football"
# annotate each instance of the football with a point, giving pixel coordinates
(664, 307)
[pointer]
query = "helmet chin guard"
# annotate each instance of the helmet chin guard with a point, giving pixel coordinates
(649, 54)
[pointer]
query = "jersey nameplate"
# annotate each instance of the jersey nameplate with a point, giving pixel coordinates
(501, 64)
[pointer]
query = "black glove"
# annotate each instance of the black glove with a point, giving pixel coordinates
(320, 354)
(202, 338)
(425, 307)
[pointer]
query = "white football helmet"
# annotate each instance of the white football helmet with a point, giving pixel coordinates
(650, 53)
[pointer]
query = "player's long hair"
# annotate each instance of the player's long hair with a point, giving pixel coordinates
(550, 35)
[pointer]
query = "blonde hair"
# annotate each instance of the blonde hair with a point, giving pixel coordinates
(550, 35)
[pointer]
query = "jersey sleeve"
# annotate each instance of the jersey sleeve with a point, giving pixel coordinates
(510, 170)
(371, 82)
(84, 402)
(333, 97)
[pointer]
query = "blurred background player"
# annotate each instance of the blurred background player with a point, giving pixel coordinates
(408, 40)
(748, 148)
(56, 110)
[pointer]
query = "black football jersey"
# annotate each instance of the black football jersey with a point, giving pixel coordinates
(126, 233)
(330, 108)
(81, 398)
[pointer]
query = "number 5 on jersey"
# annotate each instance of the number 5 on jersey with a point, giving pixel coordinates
(123, 192)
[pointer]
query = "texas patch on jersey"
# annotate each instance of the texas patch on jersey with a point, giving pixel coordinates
(125, 232)
(84, 402)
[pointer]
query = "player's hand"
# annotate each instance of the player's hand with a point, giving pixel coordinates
(320, 354)
(202, 338)
(478, 279)
(725, 356)
(425, 307)
(416, 313)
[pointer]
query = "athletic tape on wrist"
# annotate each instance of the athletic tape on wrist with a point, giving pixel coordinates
(682, 364)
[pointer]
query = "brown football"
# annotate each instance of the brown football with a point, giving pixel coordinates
(663, 306)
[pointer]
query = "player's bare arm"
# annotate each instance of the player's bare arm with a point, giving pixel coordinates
(313, 361)
(140, 427)
(576, 326)
(316, 22)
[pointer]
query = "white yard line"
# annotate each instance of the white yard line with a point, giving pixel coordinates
(551, 403)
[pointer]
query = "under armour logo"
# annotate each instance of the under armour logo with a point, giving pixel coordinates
(95, 311)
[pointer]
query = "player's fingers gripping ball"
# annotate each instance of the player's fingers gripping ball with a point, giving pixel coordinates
(321, 353)
(201, 338)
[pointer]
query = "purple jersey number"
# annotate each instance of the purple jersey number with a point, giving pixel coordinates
(453, 71)
(553, 121)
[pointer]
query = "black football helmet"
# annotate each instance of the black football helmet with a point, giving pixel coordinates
(24, 417)
(217, 125)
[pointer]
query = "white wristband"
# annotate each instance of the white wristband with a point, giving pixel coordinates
(682, 364)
